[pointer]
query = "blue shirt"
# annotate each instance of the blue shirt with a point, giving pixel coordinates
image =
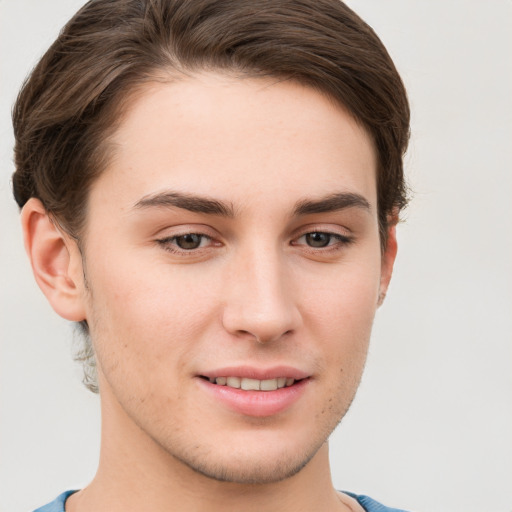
(367, 503)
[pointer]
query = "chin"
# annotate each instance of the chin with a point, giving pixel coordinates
(254, 452)
(245, 470)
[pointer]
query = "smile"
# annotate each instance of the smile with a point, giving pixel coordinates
(248, 384)
(254, 397)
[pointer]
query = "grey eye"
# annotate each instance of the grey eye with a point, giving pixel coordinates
(318, 239)
(189, 241)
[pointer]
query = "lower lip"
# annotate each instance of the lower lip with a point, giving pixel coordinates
(256, 403)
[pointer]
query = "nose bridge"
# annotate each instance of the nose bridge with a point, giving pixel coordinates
(260, 297)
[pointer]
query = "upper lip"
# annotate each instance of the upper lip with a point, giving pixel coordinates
(251, 372)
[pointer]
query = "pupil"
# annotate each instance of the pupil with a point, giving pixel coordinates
(188, 241)
(318, 239)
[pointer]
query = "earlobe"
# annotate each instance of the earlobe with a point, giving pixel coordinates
(387, 262)
(56, 261)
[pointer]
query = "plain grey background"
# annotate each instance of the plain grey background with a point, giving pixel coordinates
(431, 427)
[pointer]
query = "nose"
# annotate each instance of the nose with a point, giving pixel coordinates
(260, 301)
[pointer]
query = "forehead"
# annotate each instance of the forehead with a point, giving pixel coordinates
(240, 140)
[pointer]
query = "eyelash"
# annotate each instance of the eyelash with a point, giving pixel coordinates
(342, 241)
(170, 243)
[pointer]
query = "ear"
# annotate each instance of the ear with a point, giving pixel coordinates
(56, 261)
(388, 260)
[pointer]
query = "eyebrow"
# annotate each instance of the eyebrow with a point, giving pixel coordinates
(331, 203)
(188, 202)
(206, 205)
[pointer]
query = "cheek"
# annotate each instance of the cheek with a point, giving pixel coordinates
(340, 312)
(345, 299)
(138, 315)
(340, 317)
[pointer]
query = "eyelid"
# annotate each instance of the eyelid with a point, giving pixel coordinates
(342, 240)
(329, 229)
(185, 229)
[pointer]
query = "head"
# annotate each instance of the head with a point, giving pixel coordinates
(116, 64)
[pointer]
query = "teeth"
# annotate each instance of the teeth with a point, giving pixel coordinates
(268, 385)
(253, 384)
(250, 384)
(233, 382)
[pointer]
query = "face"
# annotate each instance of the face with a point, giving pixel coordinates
(233, 271)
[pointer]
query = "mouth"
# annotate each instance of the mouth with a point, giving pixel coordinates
(249, 396)
(248, 384)
(255, 391)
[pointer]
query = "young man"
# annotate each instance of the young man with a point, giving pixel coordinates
(210, 189)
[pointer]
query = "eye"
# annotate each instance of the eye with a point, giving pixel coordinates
(185, 242)
(320, 239)
(189, 241)
(323, 242)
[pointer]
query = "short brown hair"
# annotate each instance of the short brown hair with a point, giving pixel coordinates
(74, 97)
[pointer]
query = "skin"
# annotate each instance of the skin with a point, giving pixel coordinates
(259, 291)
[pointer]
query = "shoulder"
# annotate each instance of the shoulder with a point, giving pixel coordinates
(370, 505)
(57, 505)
